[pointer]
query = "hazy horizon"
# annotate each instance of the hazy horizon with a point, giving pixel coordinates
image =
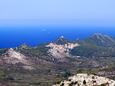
(77, 13)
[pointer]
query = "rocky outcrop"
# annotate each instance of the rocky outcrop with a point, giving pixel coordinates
(61, 51)
(87, 80)
(12, 57)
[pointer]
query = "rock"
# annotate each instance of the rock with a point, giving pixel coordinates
(87, 80)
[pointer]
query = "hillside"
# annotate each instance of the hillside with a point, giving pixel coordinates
(50, 63)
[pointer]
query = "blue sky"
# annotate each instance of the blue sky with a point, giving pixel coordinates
(100, 13)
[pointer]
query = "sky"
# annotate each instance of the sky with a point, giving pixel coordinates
(76, 13)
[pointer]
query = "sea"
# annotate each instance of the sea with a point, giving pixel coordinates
(33, 36)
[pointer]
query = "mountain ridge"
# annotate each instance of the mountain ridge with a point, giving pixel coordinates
(55, 61)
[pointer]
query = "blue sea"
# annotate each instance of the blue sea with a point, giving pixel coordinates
(15, 36)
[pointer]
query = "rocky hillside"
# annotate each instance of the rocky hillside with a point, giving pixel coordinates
(61, 51)
(87, 80)
(50, 63)
(97, 45)
(11, 57)
(101, 40)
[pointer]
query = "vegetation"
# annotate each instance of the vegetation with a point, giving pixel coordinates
(89, 57)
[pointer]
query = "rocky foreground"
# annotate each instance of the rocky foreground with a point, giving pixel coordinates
(87, 80)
